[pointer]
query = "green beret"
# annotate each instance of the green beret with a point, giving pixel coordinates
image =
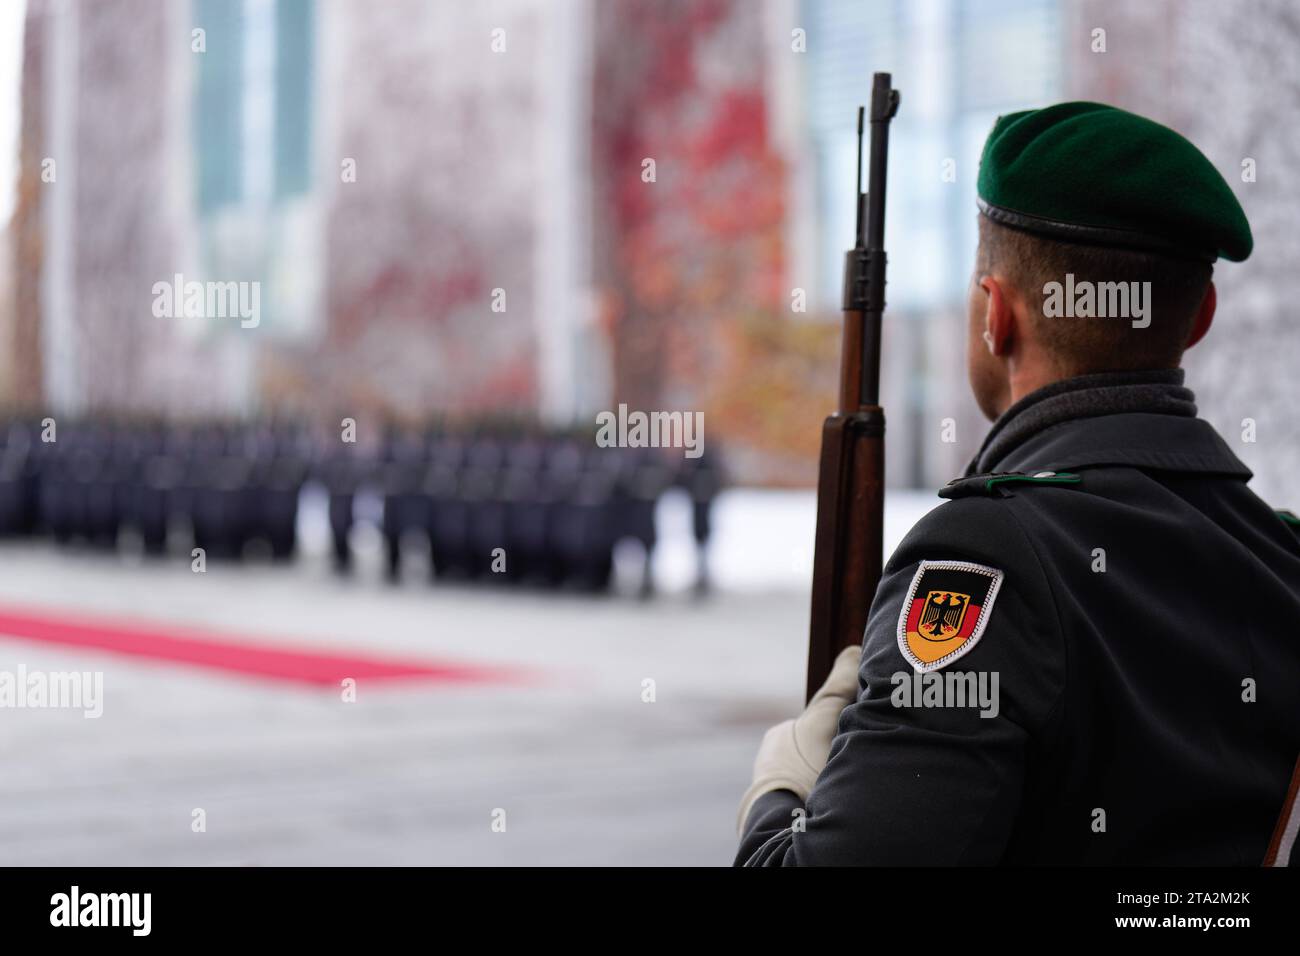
(1086, 172)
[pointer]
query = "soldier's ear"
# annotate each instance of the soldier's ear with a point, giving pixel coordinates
(998, 321)
(1204, 316)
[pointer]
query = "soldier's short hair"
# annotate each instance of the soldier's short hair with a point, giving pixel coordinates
(1093, 344)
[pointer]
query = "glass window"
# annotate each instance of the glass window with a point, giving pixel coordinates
(217, 117)
(958, 65)
(252, 110)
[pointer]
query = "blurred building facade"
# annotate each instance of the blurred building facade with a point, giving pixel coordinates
(526, 208)
(375, 174)
(1223, 75)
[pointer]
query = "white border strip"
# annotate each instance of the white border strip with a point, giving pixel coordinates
(1289, 832)
(970, 642)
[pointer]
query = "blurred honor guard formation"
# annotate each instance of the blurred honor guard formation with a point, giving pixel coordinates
(493, 503)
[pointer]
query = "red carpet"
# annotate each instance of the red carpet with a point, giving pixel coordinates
(217, 652)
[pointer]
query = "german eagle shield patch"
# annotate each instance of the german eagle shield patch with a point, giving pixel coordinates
(946, 611)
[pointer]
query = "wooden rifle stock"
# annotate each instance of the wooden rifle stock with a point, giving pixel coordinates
(851, 475)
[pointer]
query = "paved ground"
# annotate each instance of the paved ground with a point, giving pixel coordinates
(585, 771)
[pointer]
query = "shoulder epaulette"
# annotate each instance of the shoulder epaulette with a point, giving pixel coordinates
(993, 484)
(1290, 518)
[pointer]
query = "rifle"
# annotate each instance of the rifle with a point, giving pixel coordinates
(851, 474)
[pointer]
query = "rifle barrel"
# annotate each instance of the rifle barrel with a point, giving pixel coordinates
(884, 104)
(851, 476)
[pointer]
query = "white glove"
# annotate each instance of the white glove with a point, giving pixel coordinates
(794, 752)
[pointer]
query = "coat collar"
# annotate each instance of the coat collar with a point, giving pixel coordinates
(1137, 439)
(1144, 419)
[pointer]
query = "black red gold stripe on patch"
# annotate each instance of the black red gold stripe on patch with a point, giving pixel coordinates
(946, 611)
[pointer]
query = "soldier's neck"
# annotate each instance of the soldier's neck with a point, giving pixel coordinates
(1026, 376)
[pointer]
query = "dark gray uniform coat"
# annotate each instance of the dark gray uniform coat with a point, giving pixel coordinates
(1145, 634)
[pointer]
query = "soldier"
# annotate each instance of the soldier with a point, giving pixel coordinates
(1091, 653)
(702, 478)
